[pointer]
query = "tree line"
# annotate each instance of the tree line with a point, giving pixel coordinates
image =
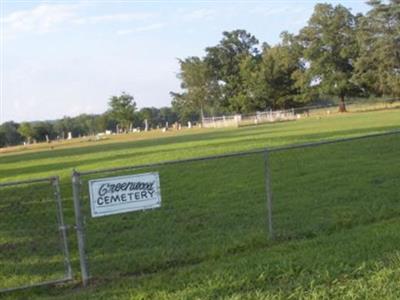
(336, 55)
(122, 115)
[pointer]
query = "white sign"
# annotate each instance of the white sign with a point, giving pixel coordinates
(122, 194)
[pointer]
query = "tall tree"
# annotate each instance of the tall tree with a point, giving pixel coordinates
(377, 70)
(105, 122)
(122, 108)
(184, 108)
(197, 86)
(224, 62)
(26, 130)
(330, 50)
(167, 114)
(43, 131)
(9, 134)
(271, 82)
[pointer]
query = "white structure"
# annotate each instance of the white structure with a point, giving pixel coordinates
(257, 118)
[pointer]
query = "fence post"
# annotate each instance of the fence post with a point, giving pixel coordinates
(61, 226)
(268, 190)
(76, 190)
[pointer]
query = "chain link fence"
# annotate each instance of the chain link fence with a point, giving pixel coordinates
(328, 187)
(33, 241)
(210, 207)
(218, 205)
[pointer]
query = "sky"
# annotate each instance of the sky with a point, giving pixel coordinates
(65, 58)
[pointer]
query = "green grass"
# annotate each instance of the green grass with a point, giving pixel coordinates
(336, 216)
(137, 148)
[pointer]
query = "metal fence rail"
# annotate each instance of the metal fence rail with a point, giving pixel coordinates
(211, 206)
(198, 219)
(294, 113)
(238, 154)
(262, 169)
(33, 237)
(249, 119)
(327, 187)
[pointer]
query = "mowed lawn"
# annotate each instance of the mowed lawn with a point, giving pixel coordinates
(152, 147)
(336, 215)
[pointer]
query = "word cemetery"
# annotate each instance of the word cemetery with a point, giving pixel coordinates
(124, 193)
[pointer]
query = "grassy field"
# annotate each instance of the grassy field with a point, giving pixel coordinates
(336, 215)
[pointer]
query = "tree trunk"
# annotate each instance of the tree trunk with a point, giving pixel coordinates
(342, 105)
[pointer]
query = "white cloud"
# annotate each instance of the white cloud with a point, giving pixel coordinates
(41, 19)
(199, 14)
(50, 17)
(122, 17)
(150, 27)
(125, 31)
(277, 11)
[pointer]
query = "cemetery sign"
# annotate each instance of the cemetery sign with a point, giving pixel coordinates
(122, 194)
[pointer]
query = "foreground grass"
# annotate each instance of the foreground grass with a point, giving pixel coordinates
(361, 263)
(209, 238)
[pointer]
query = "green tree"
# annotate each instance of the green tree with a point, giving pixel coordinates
(167, 114)
(65, 125)
(122, 109)
(330, 50)
(198, 88)
(271, 81)
(9, 135)
(43, 131)
(185, 110)
(104, 122)
(26, 130)
(224, 60)
(3, 141)
(151, 114)
(377, 69)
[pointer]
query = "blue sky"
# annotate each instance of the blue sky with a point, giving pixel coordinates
(68, 57)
